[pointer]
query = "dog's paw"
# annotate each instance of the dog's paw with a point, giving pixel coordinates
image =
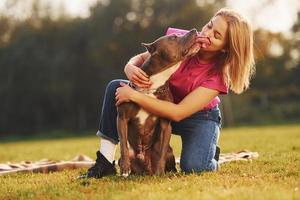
(125, 175)
(160, 171)
(125, 167)
(160, 168)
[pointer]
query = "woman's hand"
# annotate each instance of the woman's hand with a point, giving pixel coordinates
(124, 93)
(137, 76)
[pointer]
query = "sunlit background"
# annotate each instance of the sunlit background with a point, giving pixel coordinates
(274, 15)
(56, 56)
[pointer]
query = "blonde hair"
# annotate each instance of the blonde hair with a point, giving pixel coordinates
(238, 66)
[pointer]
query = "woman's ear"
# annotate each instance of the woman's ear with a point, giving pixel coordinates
(150, 47)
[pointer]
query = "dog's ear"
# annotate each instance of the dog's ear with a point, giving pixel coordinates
(150, 47)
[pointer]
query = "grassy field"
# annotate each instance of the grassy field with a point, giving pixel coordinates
(274, 175)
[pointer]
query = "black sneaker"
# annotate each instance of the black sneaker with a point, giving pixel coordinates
(101, 168)
(217, 154)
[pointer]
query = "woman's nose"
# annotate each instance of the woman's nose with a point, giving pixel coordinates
(205, 33)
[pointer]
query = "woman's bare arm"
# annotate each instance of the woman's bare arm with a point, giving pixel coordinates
(193, 102)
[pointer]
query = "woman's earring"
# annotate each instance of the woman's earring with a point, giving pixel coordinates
(223, 51)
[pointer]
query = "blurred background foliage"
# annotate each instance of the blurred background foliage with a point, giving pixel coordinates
(53, 72)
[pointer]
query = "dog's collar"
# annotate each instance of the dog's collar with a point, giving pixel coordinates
(142, 90)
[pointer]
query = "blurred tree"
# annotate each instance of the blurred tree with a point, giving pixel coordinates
(53, 71)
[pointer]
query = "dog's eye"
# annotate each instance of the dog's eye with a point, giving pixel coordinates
(174, 37)
(164, 55)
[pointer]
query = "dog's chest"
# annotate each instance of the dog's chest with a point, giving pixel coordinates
(158, 81)
(143, 115)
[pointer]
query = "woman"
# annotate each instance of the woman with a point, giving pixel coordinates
(227, 63)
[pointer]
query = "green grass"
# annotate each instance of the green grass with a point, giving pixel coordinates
(274, 175)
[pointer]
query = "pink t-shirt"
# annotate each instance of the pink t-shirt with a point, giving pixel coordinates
(191, 74)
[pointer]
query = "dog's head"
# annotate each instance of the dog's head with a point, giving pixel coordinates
(173, 48)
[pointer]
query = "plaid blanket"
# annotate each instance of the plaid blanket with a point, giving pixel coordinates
(83, 161)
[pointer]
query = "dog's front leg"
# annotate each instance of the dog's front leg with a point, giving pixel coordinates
(122, 125)
(164, 138)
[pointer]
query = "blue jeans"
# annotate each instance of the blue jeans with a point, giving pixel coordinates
(199, 132)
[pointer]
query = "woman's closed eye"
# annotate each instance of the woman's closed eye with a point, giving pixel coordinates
(217, 36)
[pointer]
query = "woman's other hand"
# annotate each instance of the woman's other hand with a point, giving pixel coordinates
(124, 93)
(134, 73)
(137, 76)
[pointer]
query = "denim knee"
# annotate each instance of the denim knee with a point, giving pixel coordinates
(195, 166)
(113, 85)
(199, 134)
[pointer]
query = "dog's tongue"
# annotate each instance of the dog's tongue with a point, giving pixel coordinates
(200, 42)
(195, 48)
(203, 40)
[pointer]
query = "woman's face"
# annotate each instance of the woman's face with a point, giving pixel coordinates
(216, 31)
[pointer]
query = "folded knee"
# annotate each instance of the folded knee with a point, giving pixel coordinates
(114, 84)
(197, 167)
